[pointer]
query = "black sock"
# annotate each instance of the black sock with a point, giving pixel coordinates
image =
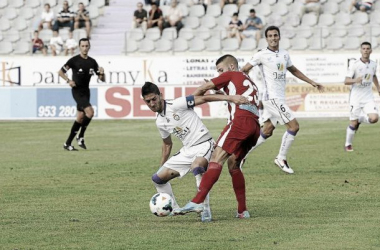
(85, 123)
(74, 130)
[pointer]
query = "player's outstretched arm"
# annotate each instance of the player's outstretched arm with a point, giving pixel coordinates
(237, 99)
(201, 90)
(64, 77)
(247, 68)
(297, 73)
(102, 76)
(167, 145)
(376, 82)
(351, 81)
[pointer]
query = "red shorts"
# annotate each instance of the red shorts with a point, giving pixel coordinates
(239, 136)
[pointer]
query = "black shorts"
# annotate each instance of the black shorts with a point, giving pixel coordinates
(82, 98)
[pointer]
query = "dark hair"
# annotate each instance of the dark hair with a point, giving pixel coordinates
(228, 58)
(252, 11)
(153, 3)
(84, 40)
(149, 88)
(366, 43)
(47, 4)
(235, 14)
(272, 28)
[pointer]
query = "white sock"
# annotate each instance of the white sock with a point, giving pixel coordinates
(364, 119)
(349, 135)
(261, 111)
(260, 141)
(166, 188)
(287, 140)
(206, 202)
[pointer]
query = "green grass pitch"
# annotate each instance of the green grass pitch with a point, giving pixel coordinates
(99, 198)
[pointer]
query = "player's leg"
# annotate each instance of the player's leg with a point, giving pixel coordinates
(74, 130)
(198, 168)
(353, 126)
(370, 113)
(161, 182)
(89, 113)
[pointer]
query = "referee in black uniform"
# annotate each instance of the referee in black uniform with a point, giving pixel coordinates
(83, 67)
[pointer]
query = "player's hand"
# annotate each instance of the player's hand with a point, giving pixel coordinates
(101, 70)
(358, 79)
(72, 84)
(320, 87)
(238, 99)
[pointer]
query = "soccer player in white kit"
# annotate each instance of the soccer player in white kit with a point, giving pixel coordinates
(177, 117)
(274, 63)
(360, 75)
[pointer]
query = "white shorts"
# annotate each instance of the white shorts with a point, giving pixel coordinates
(182, 160)
(367, 108)
(276, 111)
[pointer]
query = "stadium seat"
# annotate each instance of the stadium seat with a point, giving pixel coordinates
(79, 34)
(374, 43)
(26, 13)
(163, 45)
(4, 24)
(5, 47)
(153, 34)
(219, 32)
(351, 43)
(343, 18)
(244, 9)
(296, 9)
(197, 10)
(253, 2)
(263, 9)
(292, 19)
(146, 45)
(203, 33)
(360, 18)
(169, 33)
(262, 43)
(309, 19)
(1, 36)
(213, 44)
(45, 35)
(287, 2)
(271, 2)
(317, 43)
(288, 32)
(304, 31)
(76, 2)
(20, 24)
(334, 43)
(326, 19)
(22, 47)
(11, 13)
(98, 3)
(224, 20)
(280, 9)
(180, 45)
(208, 21)
(374, 30)
(197, 45)
(356, 31)
(16, 3)
(330, 7)
(94, 12)
(230, 9)
(32, 4)
(191, 22)
(299, 43)
(275, 19)
(248, 44)
(165, 9)
(3, 4)
(131, 46)
(64, 33)
(136, 34)
(285, 43)
(230, 44)
(338, 30)
(375, 17)
(184, 9)
(11, 35)
(52, 3)
(337, 1)
(214, 10)
(186, 33)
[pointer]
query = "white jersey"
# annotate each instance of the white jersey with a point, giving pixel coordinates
(361, 92)
(273, 66)
(179, 118)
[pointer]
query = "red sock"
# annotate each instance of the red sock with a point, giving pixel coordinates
(238, 182)
(208, 180)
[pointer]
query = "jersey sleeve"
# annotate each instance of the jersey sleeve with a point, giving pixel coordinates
(96, 67)
(222, 80)
(374, 74)
(184, 103)
(351, 70)
(70, 64)
(164, 134)
(288, 62)
(255, 60)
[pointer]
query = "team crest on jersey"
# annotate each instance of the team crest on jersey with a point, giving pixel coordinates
(367, 76)
(280, 66)
(176, 117)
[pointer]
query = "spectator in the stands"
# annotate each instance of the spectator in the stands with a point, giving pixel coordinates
(65, 18)
(237, 2)
(47, 17)
(70, 45)
(205, 3)
(140, 17)
(235, 28)
(149, 2)
(56, 43)
(362, 5)
(253, 26)
(155, 17)
(38, 44)
(311, 6)
(174, 16)
(82, 19)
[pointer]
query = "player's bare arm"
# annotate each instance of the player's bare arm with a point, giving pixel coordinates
(297, 73)
(201, 90)
(376, 82)
(66, 78)
(167, 145)
(101, 75)
(247, 68)
(237, 99)
(351, 81)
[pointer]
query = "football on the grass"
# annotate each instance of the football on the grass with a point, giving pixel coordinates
(161, 204)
